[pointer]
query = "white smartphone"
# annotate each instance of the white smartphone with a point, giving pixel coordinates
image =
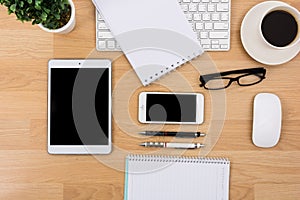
(171, 108)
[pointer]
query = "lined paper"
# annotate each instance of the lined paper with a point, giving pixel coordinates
(176, 178)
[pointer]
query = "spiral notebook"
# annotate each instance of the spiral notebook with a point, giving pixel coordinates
(154, 35)
(175, 178)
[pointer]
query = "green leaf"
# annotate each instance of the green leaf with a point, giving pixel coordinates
(38, 7)
(44, 16)
(13, 7)
(38, 4)
(47, 10)
(57, 16)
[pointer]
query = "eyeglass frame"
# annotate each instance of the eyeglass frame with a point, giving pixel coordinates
(204, 79)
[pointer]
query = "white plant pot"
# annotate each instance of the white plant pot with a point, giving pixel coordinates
(66, 28)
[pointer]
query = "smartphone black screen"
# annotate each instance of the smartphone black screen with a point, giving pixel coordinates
(171, 107)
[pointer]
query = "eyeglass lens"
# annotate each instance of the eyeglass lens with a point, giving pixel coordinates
(249, 79)
(217, 83)
(221, 82)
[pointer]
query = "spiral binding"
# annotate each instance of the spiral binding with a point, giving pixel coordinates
(180, 159)
(167, 69)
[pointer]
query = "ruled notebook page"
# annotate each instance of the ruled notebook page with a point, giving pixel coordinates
(166, 178)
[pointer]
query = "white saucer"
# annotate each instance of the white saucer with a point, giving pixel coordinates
(254, 44)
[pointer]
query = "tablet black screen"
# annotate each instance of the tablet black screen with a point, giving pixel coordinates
(79, 106)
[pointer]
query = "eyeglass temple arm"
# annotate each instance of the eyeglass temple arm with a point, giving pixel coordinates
(251, 70)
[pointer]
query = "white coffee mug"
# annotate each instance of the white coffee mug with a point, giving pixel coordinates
(292, 11)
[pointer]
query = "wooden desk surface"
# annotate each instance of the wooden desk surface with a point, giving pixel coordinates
(27, 171)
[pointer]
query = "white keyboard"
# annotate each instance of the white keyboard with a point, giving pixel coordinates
(210, 19)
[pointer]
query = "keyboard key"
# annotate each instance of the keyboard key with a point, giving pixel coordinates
(221, 26)
(102, 44)
(193, 7)
(215, 42)
(215, 46)
(205, 1)
(202, 8)
(223, 41)
(197, 17)
(222, 7)
(196, 1)
(208, 26)
(102, 25)
(199, 26)
(104, 35)
(215, 16)
(224, 1)
(192, 24)
(111, 44)
(205, 41)
(224, 16)
(100, 17)
(211, 7)
(206, 46)
(186, 1)
(220, 35)
(215, 1)
(206, 17)
(189, 16)
(204, 35)
(224, 46)
(184, 7)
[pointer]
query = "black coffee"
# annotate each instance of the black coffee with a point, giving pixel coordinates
(279, 28)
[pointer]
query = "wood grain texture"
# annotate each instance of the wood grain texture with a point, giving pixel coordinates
(12, 191)
(27, 171)
(276, 191)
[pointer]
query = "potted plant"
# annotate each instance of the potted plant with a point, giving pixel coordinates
(55, 16)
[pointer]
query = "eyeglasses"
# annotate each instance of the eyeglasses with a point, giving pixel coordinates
(218, 81)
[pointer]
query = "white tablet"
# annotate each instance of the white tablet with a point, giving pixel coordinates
(79, 106)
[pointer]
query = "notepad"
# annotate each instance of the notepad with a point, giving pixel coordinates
(154, 35)
(150, 177)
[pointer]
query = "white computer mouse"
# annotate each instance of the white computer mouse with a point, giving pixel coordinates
(266, 120)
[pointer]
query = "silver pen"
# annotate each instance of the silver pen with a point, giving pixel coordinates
(172, 145)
